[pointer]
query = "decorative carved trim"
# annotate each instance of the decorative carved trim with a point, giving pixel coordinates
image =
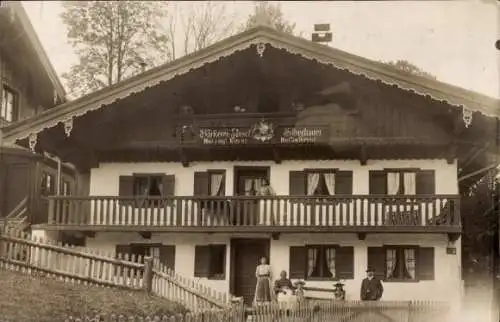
(276, 156)
(275, 236)
(361, 236)
(363, 154)
(466, 116)
(453, 237)
(33, 138)
(68, 127)
(299, 47)
(261, 47)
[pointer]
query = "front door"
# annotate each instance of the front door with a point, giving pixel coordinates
(246, 254)
(248, 181)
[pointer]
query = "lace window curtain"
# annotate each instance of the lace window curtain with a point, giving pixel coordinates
(330, 182)
(410, 268)
(392, 183)
(330, 261)
(312, 183)
(216, 184)
(312, 260)
(248, 187)
(391, 258)
(409, 179)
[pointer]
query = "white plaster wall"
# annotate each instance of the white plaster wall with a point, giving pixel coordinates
(445, 287)
(104, 180)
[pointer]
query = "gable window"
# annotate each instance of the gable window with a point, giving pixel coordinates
(9, 107)
(402, 182)
(210, 261)
(141, 186)
(320, 182)
(328, 262)
(402, 263)
(47, 187)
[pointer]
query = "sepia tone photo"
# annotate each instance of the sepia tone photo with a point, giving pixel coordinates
(272, 161)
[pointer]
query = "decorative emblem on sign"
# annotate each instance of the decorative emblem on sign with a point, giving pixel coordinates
(261, 47)
(262, 131)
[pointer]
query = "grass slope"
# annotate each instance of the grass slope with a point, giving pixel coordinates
(25, 298)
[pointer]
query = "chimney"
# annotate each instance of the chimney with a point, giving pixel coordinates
(321, 33)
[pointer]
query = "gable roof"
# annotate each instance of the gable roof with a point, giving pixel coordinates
(261, 36)
(22, 17)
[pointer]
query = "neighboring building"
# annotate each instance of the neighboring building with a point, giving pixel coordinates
(28, 87)
(364, 160)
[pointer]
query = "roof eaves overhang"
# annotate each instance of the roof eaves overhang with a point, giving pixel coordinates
(261, 37)
(33, 39)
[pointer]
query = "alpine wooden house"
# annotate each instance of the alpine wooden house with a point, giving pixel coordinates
(366, 163)
(28, 87)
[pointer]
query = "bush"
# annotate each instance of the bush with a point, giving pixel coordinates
(25, 298)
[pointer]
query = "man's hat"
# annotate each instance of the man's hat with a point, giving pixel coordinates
(370, 269)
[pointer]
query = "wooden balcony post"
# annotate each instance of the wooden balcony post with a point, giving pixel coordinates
(148, 274)
(51, 210)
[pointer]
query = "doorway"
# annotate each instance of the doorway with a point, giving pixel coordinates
(247, 182)
(245, 256)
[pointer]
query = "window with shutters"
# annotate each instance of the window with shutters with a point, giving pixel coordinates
(141, 186)
(210, 183)
(318, 262)
(148, 185)
(402, 182)
(216, 183)
(210, 261)
(320, 182)
(402, 263)
(9, 104)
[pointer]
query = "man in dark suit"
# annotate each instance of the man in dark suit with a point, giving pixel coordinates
(371, 287)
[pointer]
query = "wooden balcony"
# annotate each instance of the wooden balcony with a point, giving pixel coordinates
(353, 213)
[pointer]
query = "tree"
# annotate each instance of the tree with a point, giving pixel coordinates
(409, 68)
(271, 15)
(480, 221)
(113, 40)
(198, 25)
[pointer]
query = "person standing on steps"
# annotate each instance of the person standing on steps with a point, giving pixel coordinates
(371, 287)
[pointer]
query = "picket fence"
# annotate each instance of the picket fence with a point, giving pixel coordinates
(349, 311)
(31, 255)
(22, 252)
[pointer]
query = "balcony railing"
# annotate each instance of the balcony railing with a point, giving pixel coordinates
(274, 211)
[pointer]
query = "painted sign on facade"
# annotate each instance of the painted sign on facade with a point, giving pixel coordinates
(263, 132)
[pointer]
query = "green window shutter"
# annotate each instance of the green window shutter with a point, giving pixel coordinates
(344, 262)
(376, 260)
(201, 184)
(297, 183)
(167, 256)
(378, 183)
(168, 185)
(425, 264)
(343, 183)
(425, 182)
(297, 267)
(201, 261)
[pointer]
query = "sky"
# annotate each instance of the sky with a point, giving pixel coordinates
(453, 40)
